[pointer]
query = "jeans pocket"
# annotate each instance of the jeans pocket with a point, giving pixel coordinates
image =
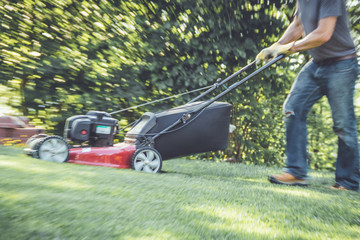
(347, 65)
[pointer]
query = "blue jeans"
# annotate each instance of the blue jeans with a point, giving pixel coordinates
(337, 83)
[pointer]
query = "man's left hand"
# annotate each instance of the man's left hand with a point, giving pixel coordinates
(284, 49)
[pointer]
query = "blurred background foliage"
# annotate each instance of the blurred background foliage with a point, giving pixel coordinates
(63, 57)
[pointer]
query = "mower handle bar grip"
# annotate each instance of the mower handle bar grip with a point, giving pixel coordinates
(237, 84)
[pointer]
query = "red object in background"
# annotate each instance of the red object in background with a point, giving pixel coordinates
(16, 128)
(117, 156)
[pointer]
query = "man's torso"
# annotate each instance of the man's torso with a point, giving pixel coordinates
(341, 43)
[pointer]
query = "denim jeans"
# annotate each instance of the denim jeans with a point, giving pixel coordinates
(337, 83)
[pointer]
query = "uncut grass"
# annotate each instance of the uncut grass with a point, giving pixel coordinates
(190, 200)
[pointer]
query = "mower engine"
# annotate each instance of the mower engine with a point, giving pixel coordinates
(98, 128)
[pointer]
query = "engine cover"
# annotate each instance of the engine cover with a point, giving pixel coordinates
(96, 127)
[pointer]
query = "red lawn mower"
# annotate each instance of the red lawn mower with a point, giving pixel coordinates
(196, 127)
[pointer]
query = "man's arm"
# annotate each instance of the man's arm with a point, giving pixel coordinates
(288, 43)
(316, 38)
(293, 32)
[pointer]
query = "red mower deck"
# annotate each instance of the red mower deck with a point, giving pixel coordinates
(117, 156)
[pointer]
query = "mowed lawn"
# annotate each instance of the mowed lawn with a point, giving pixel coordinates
(189, 200)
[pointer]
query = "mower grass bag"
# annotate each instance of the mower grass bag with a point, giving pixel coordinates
(205, 131)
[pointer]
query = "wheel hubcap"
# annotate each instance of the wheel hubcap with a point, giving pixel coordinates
(147, 161)
(53, 150)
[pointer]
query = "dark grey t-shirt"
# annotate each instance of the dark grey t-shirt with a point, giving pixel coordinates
(341, 43)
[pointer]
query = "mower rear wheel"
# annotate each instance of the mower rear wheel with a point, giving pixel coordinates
(146, 159)
(34, 137)
(52, 149)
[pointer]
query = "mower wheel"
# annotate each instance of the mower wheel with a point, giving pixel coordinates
(146, 159)
(52, 149)
(34, 137)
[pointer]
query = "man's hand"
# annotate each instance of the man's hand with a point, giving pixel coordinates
(267, 53)
(275, 50)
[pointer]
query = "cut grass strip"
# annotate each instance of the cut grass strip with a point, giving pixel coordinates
(190, 200)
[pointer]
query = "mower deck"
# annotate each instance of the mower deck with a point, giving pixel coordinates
(117, 156)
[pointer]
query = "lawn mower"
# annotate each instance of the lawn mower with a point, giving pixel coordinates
(196, 127)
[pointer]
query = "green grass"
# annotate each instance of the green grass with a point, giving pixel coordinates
(191, 200)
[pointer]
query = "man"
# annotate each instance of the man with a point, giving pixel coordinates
(332, 72)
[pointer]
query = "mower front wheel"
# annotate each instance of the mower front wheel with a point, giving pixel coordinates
(52, 149)
(146, 159)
